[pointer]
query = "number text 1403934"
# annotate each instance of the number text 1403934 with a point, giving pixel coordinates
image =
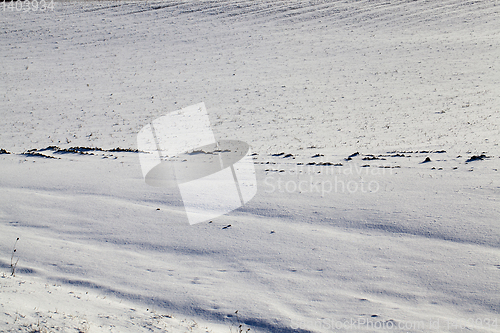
(27, 5)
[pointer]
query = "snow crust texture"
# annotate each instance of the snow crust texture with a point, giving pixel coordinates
(374, 128)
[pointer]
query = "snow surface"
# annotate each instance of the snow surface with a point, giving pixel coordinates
(379, 241)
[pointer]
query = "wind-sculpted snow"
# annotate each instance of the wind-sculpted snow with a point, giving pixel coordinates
(373, 126)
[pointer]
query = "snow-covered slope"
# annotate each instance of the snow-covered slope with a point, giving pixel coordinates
(333, 241)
